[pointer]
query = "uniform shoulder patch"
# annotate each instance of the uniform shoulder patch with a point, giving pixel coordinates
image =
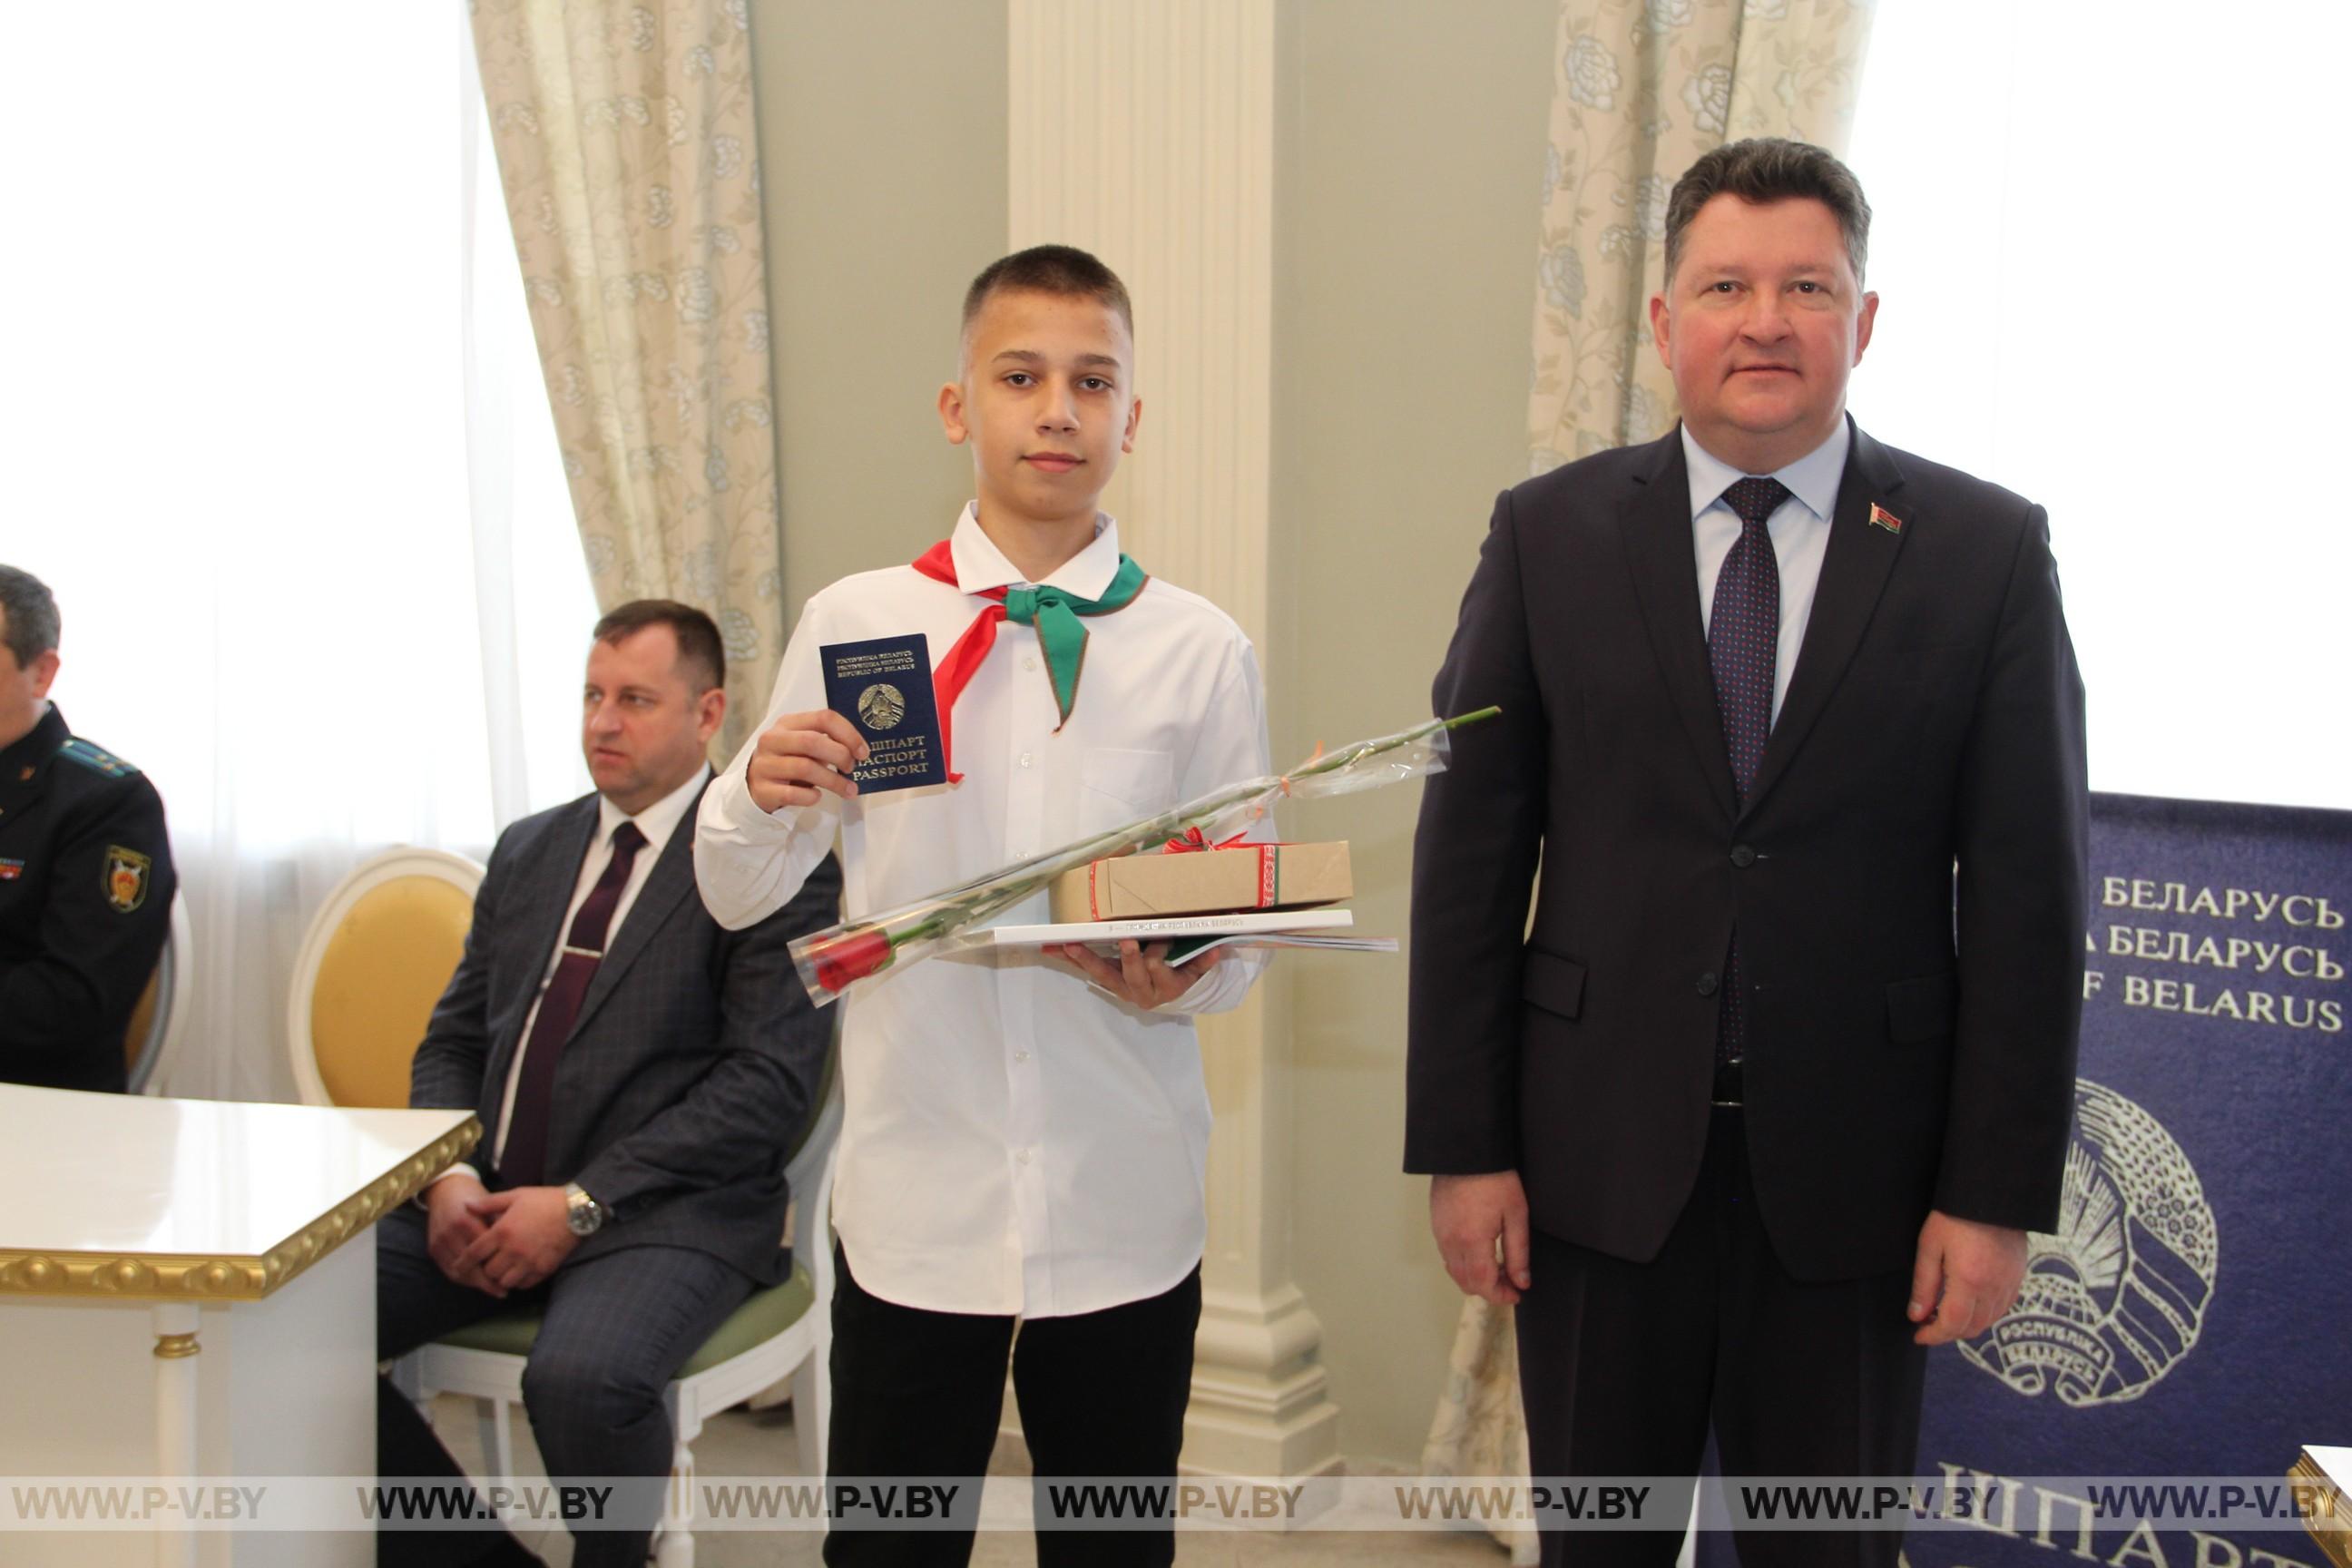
(97, 759)
(126, 876)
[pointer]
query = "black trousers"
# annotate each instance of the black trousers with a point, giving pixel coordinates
(919, 1394)
(617, 1328)
(1624, 1366)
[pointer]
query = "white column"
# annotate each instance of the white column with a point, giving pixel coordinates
(1144, 131)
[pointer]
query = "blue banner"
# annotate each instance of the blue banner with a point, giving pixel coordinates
(2189, 1316)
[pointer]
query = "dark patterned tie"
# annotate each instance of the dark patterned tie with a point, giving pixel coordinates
(522, 1162)
(1743, 637)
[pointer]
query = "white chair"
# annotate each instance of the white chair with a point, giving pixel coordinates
(152, 1041)
(784, 1330)
(377, 957)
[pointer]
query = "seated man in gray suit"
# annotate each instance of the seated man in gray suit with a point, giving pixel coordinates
(639, 1072)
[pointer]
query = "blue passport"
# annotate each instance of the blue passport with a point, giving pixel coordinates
(883, 687)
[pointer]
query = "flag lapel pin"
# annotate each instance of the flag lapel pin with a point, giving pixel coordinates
(1882, 518)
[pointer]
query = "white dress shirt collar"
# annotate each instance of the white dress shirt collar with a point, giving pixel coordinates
(980, 566)
(1812, 479)
(657, 821)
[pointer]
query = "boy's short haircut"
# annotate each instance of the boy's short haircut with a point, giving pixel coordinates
(1062, 269)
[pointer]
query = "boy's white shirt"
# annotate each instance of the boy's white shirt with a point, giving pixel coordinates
(1015, 1139)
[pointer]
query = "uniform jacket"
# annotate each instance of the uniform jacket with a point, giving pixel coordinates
(1901, 1055)
(86, 887)
(692, 1066)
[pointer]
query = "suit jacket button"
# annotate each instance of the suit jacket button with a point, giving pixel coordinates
(1708, 983)
(1742, 856)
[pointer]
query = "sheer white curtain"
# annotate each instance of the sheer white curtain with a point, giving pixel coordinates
(2107, 241)
(278, 444)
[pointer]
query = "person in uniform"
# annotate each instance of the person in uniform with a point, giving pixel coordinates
(86, 878)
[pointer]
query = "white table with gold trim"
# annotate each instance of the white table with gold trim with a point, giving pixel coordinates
(177, 1298)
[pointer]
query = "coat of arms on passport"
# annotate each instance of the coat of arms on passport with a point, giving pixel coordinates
(883, 686)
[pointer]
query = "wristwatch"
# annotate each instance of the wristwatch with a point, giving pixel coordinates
(581, 1213)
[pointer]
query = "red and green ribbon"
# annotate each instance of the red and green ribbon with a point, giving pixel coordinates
(1055, 612)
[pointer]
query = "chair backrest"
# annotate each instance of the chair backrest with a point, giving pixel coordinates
(377, 957)
(152, 1036)
(808, 1172)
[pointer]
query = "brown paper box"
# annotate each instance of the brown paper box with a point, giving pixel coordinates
(1204, 881)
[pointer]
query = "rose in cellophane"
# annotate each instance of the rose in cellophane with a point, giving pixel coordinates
(833, 960)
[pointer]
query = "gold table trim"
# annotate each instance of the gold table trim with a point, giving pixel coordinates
(183, 1276)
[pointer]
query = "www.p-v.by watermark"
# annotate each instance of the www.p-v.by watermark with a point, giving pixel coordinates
(2066, 1512)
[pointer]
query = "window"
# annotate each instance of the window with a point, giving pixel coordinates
(278, 442)
(2105, 241)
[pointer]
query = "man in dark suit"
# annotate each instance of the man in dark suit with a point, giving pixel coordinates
(86, 875)
(640, 1073)
(1750, 1116)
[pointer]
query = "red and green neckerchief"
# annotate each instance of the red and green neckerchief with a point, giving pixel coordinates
(1055, 612)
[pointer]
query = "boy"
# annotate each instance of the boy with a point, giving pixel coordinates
(1024, 1138)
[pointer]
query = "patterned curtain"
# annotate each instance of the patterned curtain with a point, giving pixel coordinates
(627, 147)
(1641, 87)
(1479, 1429)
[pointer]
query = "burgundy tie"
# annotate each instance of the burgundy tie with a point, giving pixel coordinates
(1743, 639)
(522, 1162)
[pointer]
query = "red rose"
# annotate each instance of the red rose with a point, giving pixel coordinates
(852, 957)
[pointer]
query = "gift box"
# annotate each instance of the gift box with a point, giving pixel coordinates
(1192, 882)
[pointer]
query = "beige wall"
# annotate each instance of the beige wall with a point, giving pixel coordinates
(1409, 149)
(1409, 162)
(882, 149)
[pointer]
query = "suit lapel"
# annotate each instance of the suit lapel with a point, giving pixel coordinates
(1659, 548)
(1853, 573)
(671, 879)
